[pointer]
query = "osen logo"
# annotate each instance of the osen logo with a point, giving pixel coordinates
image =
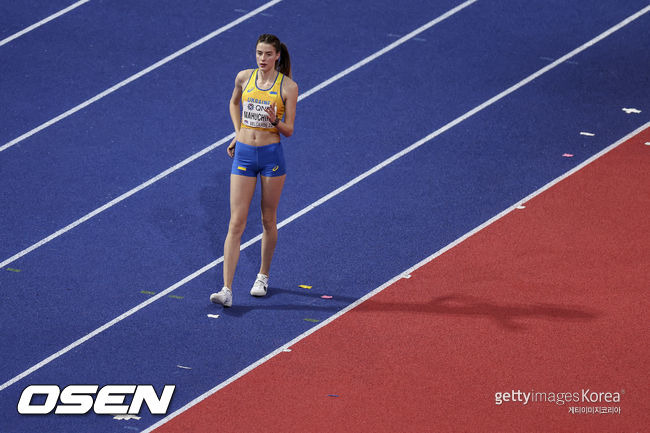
(80, 399)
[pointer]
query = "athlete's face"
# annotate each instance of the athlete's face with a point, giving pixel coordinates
(266, 56)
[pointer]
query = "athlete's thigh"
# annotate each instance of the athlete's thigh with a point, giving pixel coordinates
(271, 192)
(242, 189)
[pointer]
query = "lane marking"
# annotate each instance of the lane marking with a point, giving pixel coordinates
(226, 139)
(336, 192)
(390, 282)
(138, 75)
(115, 201)
(388, 48)
(41, 22)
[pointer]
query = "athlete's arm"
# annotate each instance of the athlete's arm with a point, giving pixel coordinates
(290, 92)
(235, 103)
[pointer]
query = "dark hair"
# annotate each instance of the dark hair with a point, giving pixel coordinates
(283, 65)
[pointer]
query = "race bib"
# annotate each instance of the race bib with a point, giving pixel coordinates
(254, 114)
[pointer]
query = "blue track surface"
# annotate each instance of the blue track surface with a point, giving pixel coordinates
(17, 15)
(345, 247)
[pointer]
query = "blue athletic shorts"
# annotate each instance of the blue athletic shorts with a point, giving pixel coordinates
(266, 160)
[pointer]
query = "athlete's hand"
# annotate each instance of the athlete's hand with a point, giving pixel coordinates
(231, 148)
(271, 112)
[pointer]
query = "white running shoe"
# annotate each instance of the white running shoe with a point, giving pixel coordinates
(260, 286)
(224, 297)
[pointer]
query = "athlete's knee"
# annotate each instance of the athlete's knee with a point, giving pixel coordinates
(236, 226)
(269, 221)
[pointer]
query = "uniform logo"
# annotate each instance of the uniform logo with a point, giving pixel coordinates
(276, 168)
(239, 167)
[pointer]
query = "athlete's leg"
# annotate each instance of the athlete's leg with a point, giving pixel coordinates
(242, 189)
(271, 191)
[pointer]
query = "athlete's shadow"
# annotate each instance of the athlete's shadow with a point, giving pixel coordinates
(307, 300)
(505, 315)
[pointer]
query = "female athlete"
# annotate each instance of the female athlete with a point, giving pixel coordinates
(262, 106)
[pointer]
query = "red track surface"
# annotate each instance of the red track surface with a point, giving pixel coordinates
(551, 298)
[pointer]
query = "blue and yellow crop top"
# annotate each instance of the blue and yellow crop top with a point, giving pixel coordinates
(255, 100)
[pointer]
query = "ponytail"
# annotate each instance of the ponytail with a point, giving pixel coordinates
(284, 62)
(283, 65)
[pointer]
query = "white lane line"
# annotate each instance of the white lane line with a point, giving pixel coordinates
(226, 139)
(390, 47)
(115, 201)
(138, 75)
(390, 282)
(321, 201)
(41, 22)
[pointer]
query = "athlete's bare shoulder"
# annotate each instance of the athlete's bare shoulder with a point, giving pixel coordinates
(243, 76)
(289, 86)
